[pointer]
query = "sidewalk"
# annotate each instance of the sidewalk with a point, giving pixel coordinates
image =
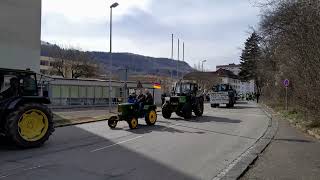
(291, 155)
(66, 117)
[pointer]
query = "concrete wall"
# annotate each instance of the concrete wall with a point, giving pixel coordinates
(20, 31)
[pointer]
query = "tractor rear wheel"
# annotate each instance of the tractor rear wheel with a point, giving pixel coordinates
(30, 125)
(112, 122)
(133, 123)
(166, 111)
(151, 118)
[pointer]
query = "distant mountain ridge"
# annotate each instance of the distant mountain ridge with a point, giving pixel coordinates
(136, 64)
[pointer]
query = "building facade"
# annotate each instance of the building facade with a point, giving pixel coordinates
(20, 27)
(91, 92)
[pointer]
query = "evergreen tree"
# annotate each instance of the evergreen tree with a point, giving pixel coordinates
(249, 58)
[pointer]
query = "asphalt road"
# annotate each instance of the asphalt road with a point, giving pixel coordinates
(172, 149)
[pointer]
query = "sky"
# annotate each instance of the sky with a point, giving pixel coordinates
(212, 30)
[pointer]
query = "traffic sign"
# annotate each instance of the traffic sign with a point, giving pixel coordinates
(286, 82)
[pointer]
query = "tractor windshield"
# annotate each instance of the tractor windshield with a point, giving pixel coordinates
(12, 85)
(183, 88)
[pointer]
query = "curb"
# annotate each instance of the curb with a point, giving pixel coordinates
(241, 164)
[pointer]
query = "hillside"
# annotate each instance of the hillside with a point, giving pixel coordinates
(137, 64)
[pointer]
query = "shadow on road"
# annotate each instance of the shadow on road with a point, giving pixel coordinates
(204, 119)
(144, 129)
(6, 144)
(69, 155)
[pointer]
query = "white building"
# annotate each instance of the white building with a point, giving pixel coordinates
(20, 27)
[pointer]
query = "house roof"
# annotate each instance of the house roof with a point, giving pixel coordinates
(210, 75)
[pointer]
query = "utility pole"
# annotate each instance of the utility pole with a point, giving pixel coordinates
(171, 55)
(178, 59)
(183, 52)
(114, 5)
(172, 46)
(202, 64)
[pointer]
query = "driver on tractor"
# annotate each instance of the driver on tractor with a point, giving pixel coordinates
(13, 90)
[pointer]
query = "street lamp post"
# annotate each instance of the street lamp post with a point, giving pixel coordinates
(202, 64)
(114, 5)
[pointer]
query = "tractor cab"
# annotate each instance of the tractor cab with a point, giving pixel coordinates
(185, 89)
(15, 83)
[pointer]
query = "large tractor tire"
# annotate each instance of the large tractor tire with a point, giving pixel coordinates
(166, 111)
(198, 111)
(30, 125)
(133, 123)
(151, 118)
(187, 111)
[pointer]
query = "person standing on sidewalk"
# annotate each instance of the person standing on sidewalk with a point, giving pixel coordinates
(258, 96)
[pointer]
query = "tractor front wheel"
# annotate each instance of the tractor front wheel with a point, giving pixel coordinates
(112, 122)
(30, 125)
(166, 111)
(133, 123)
(151, 118)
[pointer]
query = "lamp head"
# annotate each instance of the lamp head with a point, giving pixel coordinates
(114, 5)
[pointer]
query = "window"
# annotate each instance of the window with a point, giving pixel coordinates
(74, 91)
(65, 91)
(44, 63)
(83, 92)
(105, 92)
(30, 85)
(90, 92)
(98, 92)
(56, 91)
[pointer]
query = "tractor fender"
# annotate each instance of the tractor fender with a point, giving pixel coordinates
(26, 99)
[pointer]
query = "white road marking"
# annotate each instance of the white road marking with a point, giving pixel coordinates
(125, 141)
(115, 144)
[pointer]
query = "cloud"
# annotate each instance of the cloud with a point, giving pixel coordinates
(212, 29)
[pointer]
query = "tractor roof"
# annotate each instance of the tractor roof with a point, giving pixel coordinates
(15, 71)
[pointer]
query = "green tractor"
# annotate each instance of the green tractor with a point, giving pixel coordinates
(24, 117)
(185, 100)
(130, 112)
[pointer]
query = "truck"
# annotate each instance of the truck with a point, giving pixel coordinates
(222, 94)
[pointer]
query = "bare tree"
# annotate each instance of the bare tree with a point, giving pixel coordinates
(291, 50)
(72, 62)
